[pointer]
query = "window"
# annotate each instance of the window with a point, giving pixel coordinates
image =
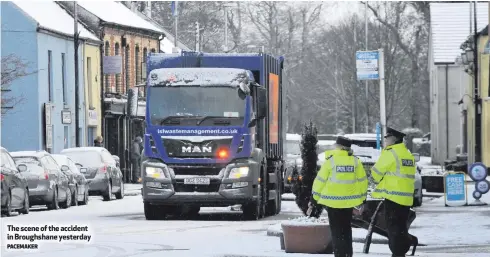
(126, 68)
(49, 164)
(145, 54)
(7, 161)
(118, 76)
(90, 136)
(85, 158)
(153, 50)
(63, 78)
(107, 86)
(107, 157)
(52, 163)
(66, 137)
(137, 63)
(50, 76)
(89, 80)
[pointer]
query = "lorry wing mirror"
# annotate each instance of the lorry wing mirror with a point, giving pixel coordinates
(252, 123)
(243, 90)
(262, 102)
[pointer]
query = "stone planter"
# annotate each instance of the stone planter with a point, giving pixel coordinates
(307, 235)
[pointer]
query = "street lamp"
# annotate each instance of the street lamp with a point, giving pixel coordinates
(464, 58)
(469, 54)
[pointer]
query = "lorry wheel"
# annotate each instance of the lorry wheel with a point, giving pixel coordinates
(255, 210)
(153, 212)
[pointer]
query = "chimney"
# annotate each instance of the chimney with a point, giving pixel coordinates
(148, 9)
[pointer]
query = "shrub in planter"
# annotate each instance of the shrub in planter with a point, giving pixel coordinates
(302, 186)
(307, 235)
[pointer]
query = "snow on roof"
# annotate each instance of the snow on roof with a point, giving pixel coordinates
(450, 27)
(82, 149)
(117, 13)
(197, 76)
(28, 153)
(51, 16)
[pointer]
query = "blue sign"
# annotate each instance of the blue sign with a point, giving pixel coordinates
(455, 187)
(378, 135)
(477, 171)
(367, 65)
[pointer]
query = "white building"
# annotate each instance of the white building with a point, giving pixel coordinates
(449, 27)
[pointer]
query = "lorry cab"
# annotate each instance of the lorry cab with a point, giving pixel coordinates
(213, 133)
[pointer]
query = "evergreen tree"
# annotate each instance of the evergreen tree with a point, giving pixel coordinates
(302, 187)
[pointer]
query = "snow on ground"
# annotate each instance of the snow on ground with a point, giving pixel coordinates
(120, 229)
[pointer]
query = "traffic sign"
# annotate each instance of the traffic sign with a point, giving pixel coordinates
(367, 65)
(482, 186)
(477, 171)
(455, 189)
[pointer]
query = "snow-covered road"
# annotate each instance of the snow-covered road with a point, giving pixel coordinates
(119, 229)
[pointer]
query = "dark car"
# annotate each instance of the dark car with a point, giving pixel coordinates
(48, 185)
(100, 169)
(293, 160)
(78, 182)
(15, 191)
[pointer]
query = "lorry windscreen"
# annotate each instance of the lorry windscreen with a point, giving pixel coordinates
(194, 101)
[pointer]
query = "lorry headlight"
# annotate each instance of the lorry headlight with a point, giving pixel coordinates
(238, 172)
(154, 172)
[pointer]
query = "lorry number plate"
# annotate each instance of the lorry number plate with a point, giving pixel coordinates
(197, 181)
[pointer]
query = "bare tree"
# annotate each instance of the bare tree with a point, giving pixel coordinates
(13, 68)
(402, 17)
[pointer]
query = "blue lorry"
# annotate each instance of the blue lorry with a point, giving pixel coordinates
(214, 134)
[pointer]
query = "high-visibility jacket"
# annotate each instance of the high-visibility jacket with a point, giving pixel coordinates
(394, 172)
(341, 181)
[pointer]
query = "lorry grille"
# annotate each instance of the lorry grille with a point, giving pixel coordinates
(186, 149)
(198, 171)
(179, 186)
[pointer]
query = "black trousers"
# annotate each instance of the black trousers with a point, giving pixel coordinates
(396, 217)
(340, 226)
(136, 170)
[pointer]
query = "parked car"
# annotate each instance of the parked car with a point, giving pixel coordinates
(15, 190)
(48, 185)
(78, 182)
(293, 155)
(100, 169)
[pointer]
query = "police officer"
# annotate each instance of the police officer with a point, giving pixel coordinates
(340, 185)
(394, 174)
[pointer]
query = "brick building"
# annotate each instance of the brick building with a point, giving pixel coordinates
(133, 46)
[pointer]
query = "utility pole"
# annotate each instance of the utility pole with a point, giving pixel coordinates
(176, 21)
(382, 96)
(226, 27)
(77, 100)
(478, 141)
(198, 36)
(354, 89)
(366, 48)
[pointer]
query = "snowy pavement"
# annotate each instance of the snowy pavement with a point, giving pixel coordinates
(119, 229)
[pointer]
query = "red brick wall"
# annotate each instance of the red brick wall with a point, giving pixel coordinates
(113, 36)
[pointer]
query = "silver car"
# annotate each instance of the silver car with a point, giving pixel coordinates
(48, 185)
(100, 169)
(78, 182)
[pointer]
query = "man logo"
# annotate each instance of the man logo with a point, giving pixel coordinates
(196, 149)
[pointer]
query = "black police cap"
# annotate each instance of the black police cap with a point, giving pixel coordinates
(390, 132)
(343, 141)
